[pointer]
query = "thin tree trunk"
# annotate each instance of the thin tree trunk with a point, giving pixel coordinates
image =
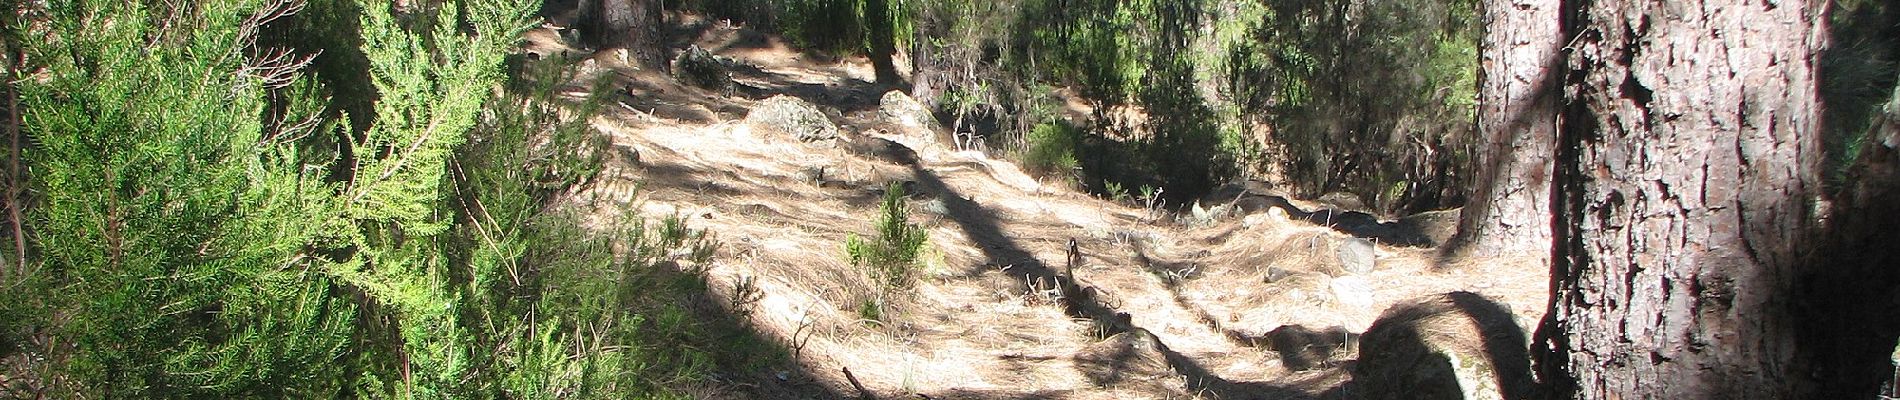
(877, 16)
(1517, 117)
(15, 179)
(1687, 172)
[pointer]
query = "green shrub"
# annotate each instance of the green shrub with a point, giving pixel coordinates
(1115, 191)
(871, 309)
(1049, 150)
(1363, 97)
(194, 246)
(892, 255)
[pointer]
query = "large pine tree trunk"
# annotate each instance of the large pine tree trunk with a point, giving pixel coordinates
(1688, 164)
(633, 25)
(1517, 117)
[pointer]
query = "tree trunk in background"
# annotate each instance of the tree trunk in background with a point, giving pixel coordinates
(633, 25)
(877, 16)
(1689, 161)
(1517, 117)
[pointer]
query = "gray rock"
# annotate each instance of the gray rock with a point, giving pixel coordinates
(794, 116)
(1276, 274)
(701, 68)
(1356, 255)
(900, 109)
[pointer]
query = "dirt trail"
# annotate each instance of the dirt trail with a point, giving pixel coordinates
(1238, 305)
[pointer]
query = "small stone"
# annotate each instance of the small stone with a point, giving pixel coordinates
(701, 68)
(1276, 274)
(1357, 255)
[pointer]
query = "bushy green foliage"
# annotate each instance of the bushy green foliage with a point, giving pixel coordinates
(1099, 46)
(197, 240)
(831, 27)
(1363, 97)
(173, 221)
(1049, 150)
(970, 67)
(1335, 95)
(1185, 138)
(892, 255)
(1856, 74)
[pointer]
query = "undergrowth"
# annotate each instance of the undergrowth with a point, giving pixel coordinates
(891, 257)
(1049, 150)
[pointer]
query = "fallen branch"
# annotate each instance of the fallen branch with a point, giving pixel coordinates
(14, 179)
(863, 393)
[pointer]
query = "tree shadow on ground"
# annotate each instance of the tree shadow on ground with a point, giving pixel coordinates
(1355, 223)
(726, 330)
(1417, 349)
(1300, 348)
(1002, 251)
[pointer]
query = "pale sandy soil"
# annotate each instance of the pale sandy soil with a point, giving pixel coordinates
(976, 325)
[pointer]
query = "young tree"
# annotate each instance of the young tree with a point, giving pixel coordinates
(1509, 212)
(1686, 171)
(171, 221)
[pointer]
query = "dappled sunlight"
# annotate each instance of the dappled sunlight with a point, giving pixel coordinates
(989, 314)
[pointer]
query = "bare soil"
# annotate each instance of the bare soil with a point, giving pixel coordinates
(1236, 303)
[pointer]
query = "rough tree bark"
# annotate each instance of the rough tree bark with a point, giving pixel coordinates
(1687, 169)
(877, 16)
(1517, 117)
(632, 25)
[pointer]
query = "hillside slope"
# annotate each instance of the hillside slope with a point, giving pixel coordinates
(1246, 300)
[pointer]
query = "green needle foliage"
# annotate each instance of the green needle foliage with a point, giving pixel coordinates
(173, 223)
(892, 255)
(209, 222)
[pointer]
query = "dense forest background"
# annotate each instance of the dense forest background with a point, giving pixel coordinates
(343, 198)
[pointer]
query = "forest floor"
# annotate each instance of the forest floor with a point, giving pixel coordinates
(1242, 301)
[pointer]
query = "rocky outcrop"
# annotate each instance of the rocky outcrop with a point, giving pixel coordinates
(701, 68)
(900, 109)
(791, 115)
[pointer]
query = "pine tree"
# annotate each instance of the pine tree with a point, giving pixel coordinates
(432, 76)
(171, 219)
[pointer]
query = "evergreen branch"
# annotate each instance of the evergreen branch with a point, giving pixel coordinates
(301, 128)
(277, 9)
(277, 67)
(401, 159)
(482, 220)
